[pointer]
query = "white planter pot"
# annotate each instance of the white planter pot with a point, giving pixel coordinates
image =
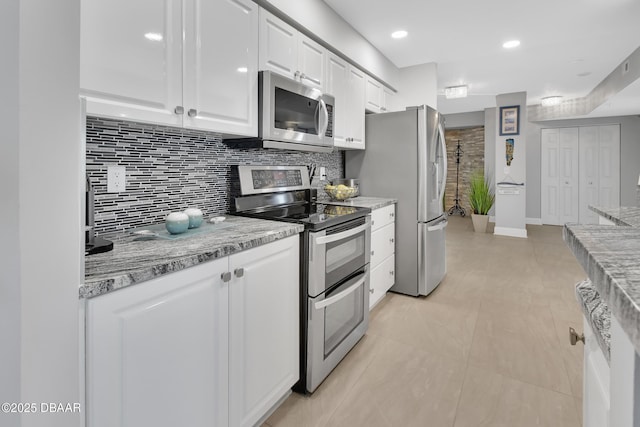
(480, 222)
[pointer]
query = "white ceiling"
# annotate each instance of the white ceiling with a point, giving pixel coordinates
(568, 46)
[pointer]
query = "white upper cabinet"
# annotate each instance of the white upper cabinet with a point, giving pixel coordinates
(131, 59)
(221, 66)
(388, 97)
(347, 84)
(374, 95)
(143, 70)
(286, 51)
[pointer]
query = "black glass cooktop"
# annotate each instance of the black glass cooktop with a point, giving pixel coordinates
(314, 216)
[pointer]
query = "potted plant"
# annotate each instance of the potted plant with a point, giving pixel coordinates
(481, 199)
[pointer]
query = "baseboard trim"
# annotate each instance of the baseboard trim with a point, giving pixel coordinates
(533, 221)
(510, 232)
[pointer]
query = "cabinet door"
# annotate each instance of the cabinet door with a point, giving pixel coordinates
(221, 66)
(374, 95)
(382, 244)
(588, 174)
(131, 59)
(356, 103)
(388, 98)
(157, 352)
(278, 45)
(311, 62)
(264, 328)
(338, 86)
(382, 279)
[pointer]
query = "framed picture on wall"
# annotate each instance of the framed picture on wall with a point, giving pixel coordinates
(510, 120)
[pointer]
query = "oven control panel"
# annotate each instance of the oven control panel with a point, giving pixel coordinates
(272, 179)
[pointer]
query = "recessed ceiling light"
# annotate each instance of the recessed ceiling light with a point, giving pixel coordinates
(400, 34)
(242, 69)
(452, 92)
(154, 37)
(511, 44)
(584, 74)
(550, 101)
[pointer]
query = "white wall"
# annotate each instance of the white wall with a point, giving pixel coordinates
(629, 157)
(9, 211)
(464, 120)
(418, 85)
(317, 17)
(510, 209)
(490, 132)
(42, 246)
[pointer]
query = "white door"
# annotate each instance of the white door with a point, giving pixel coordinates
(338, 86)
(131, 59)
(157, 352)
(550, 176)
(221, 66)
(609, 166)
(278, 45)
(588, 173)
(356, 107)
(263, 328)
(311, 62)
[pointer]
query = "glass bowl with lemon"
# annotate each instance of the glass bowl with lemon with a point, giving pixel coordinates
(340, 192)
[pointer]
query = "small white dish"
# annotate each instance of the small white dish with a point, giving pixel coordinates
(217, 219)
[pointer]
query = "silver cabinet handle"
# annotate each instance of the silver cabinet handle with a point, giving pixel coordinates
(391, 272)
(226, 276)
(574, 337)
(296, 75)
(372, 252)
(391, 240)
(391, 215)
(239, 272)
(192, 112)
(179, 109)
(371, 291)
(335, 298)
(373, 223)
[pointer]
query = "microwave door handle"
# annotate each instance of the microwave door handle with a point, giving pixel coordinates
(335, 237)
(325, 122)
(335, 298)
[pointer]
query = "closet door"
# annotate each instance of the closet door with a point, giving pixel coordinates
(550, 176)
(560, 177)
(588, 174)
(609, 166)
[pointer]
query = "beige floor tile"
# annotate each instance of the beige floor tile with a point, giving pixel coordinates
(492, 400)
(403, 387)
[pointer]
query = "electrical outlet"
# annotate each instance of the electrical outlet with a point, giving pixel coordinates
(116, 179)
(323, 173)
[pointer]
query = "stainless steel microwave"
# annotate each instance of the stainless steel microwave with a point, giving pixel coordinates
(291, 116)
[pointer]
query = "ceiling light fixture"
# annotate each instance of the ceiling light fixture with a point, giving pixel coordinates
(154, 37)
(511, 44)
(550, 101)
(452, 92)
(242, 69)
(400, 34)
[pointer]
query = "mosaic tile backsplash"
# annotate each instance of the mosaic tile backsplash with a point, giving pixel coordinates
(171, 169)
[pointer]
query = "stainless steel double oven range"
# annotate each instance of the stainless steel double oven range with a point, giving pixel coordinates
(334, 262)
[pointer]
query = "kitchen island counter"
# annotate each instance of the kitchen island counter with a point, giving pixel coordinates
(136, 259)
(361, 202)
(628, 216)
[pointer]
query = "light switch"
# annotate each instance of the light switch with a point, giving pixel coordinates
(116, 179)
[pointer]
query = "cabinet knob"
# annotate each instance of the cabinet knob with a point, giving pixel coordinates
(391, 215)
(226, 276)
(372, 223)
(391, 240)
(371, 291)
(239, 272)
(179, 109)
(391, 272)
(192, 112)
(372, 252)
(574, 337)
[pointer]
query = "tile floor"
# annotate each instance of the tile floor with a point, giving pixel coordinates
(489, 347)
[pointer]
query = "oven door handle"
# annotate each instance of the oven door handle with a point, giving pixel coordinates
(335, 298)
(335, 237)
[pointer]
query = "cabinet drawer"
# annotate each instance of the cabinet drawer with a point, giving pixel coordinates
(383, 216)
(382, 278)
(383, 244)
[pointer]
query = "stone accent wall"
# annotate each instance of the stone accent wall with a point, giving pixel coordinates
(472, 145)
(170, 169)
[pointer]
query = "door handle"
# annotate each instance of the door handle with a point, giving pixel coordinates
(322, 304)
(325, 114)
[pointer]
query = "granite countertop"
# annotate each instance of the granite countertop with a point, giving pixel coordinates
(136, 259)
(597, 314)
(611, 257)
(361, 202)
(625, 215)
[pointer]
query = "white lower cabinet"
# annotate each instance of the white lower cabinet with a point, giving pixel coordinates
(383, 259)
(595, 405)
(212, 345)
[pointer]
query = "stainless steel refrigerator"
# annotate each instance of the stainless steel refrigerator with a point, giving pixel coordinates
(405, 158)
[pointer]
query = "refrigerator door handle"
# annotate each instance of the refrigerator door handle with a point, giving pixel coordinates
(444, 160)
(439, 226)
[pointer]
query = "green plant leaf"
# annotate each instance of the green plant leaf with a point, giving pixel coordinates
(481, 196)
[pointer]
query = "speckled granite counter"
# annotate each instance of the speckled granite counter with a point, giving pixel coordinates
(625, 215)
(597, 314)
(362, 202)
(134, 259)
(611, 257)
